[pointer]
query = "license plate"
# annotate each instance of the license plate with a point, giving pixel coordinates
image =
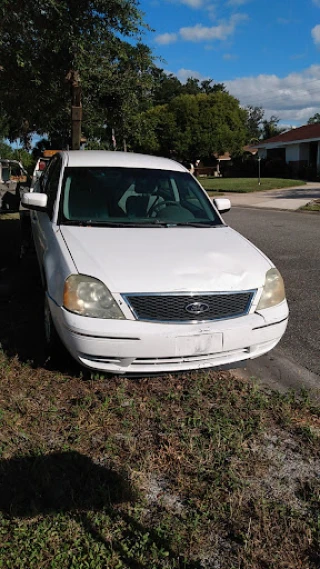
(202, 344)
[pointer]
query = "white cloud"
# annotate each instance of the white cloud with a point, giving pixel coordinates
(294, 98)
(165, 39)
(193, 3)
(202, 33)
(317, 3)
(315, 32)
(184, 74)
(199, 33)
(208, 5)
(221, 32)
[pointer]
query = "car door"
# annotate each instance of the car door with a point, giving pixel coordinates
(43, 228)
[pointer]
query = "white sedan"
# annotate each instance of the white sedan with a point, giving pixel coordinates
(142, 275)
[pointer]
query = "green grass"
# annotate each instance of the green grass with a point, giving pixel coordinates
(312, 206)
(183, 472)
(246, 185)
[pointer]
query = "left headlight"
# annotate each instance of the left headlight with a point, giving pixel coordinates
(273, 290)
(87, 296)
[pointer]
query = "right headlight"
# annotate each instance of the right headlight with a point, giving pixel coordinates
(273, 290)
(88, 296)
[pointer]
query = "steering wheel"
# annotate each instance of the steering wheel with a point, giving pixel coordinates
(162, 205)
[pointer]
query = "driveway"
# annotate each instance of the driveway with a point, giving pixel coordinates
(286, 198)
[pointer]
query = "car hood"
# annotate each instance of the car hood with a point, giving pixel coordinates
(167, 259)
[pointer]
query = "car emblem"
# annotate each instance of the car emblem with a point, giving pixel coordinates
(197, 307)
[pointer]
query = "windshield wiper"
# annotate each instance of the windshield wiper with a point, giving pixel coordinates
(155, 223)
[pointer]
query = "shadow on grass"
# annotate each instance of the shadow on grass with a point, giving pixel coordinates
(71, 483)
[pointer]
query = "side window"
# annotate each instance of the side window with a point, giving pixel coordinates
(52, 184)
(44, 176)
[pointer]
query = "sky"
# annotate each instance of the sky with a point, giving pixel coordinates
(266, 52)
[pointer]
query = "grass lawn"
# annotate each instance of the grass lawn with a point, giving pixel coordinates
(246, 185)
(312, 206)
(197, 471)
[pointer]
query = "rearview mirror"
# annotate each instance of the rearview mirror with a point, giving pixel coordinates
(35, 201)
(222, 204)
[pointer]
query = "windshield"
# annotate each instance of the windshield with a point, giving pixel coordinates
(134, 197)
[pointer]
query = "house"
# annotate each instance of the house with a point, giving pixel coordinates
(298, 147)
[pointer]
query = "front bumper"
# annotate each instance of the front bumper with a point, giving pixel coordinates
(136, 347)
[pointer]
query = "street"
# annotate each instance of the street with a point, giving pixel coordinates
(291, 240)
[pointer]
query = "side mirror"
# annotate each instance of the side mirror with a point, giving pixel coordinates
(35, 201)
(222, 204)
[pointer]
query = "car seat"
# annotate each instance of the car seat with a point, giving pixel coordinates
(141, 202)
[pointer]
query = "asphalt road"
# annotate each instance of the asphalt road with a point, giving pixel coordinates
(292, 241)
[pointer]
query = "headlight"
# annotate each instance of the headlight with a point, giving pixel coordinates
(273, 290)
(89, 297)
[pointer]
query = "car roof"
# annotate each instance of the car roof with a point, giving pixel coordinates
(83, 158)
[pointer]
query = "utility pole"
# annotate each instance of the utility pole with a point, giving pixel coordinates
(76, 108)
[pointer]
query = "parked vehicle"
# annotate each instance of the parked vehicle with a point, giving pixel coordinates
(141, 274)
(12, 176)
(12, 170)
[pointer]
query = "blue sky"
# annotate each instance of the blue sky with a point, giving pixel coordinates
(267, 52)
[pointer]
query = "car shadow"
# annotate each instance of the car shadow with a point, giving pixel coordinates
(20, 307)
(71, 483)
(21, 302)
(58, 482)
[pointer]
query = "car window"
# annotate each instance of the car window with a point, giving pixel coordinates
(5, 173)
(52, 184)
(44, 176)
(134, 196)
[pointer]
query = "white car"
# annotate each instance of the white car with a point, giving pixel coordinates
(142, 275)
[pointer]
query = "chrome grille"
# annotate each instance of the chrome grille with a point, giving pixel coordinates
(186, 307)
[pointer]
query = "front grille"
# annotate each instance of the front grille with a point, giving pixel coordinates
(186, 307)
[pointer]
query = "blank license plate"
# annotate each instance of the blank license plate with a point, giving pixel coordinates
(202, 344)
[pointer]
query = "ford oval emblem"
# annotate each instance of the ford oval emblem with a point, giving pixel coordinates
(197, 307)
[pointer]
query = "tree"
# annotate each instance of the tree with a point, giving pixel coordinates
(6, 151)
(270, 128)
(207, 86)
(191, 87)
(124, 91)
(166, 87)
(42, 41)
(314, 119)
(254, 121)
(193, 126)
